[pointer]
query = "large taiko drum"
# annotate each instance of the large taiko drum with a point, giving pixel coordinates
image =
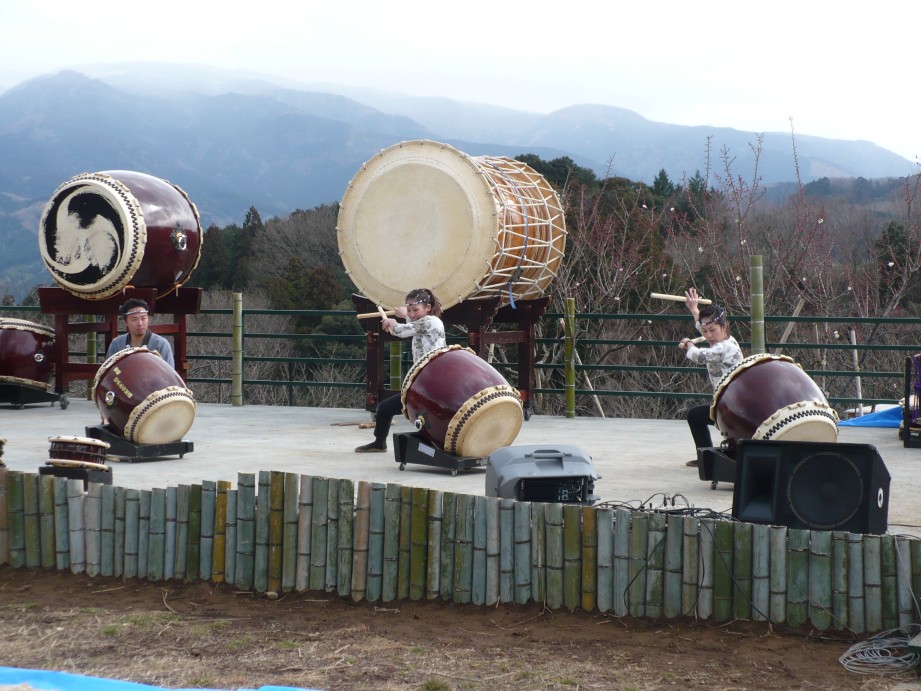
(142, 398)
(770, 397)
(26, 354)
(101, 232)
(460, 403)
(475, 227)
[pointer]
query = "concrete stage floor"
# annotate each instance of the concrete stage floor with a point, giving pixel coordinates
(640, 461)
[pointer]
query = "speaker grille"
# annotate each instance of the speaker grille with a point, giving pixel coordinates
(826, 490)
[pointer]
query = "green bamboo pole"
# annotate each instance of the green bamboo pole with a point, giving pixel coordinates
(674, 539)
(622, 520)
(61, 526)
(263, 509)
(156, 545)
(538, 554)
(553, 541)
(639, 544)
(4, 518)
(723, 589)
(31, 522)
(478, 589)
(318, 526)
(376, 542)
(690, 564)
(605, 527)
(276, 530)
(330, 578)
(46, 521)
(742, 570)
(493, 551)
(522, 566)
(183, 498)
(448, 532)
(463, 549)
(778, 559)
(856, 602)
(406, 498)
(389, 585)
(289, 541)
(757, 304)
(569, 364)
(761, 572)
(118, 558)
(346, 537)
(906, 611)
(888, 582)
(873, 582)
(219, 550)
(820, 545)
(797, 577)
(433, 557)
(193, 551)
(707, 557)
(107, 565)
(571, 574)
(655, 565)
(76, 525)
(236, 374)
(360, 542)
(143, 530)
(92, 521)
(506, 550)
(206, 546)
(245, 531)
(304, 532)
(15, 491)
(230, 550)
(915, 577)
(418, 550)
(170, 529)
(839, 579)
(589, 558)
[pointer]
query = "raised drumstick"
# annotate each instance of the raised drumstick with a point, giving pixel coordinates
(678, 298)
(699, 339)
(380, 313)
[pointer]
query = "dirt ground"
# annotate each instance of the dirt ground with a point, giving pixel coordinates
(200, 635)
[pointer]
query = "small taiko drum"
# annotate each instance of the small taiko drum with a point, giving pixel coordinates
(478, 226)
(101, 232)
(78, 449)
(460, 403)
(770, 397)
(26, 353)
(142, 398)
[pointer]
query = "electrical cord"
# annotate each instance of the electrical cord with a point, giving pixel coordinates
(885, 653)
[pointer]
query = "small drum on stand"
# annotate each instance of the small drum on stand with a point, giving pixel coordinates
(101, 232)
(77, 450)
(26, 353)
(479, 227)
(770, 397)
(459, 402)
(142, 398)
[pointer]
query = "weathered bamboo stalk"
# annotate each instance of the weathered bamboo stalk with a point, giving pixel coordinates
(478, 587)
(463, 549)
(276, 530)
(206, 544)
(346, 535)
(888, 582)
(263, 509)
(406, 499)
(493, 571)
(289, 539)
(391, 536)
(170, 531)
(4, 518)
(433, 558)
(16, 529)
(506, 555)
(555, 556)
(778, 540)
(872, 582)
(723, 589)
(46, 520)
(183, 496)
(522, 552)
(376, 542)
(245, 530)
(230, 551)
(107, 566)
(589, 558)
(418, 538)
(219, 550)
(639, 550)
(742, 570)
(856, 597)
(655, 564)
(75, 524)
(32, 535)
(193, 547)
(906, 611)
(761, 572)
(119, 552)
(156, 544)
(604, 522)
(304, 532)
(839, 579)
(318, 539)
(622, 519)
(448, 534)
(143, 530)
(820, 596)
(674, 541)
(706, 547)
(797, 577)
(92, 522)
(331, 577)
(572, 556)
(690, 564)
(538, 553)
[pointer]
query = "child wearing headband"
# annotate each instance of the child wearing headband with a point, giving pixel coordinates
(423, 312)
(720, 357)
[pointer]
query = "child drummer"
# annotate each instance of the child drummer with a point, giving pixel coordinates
(720, 357)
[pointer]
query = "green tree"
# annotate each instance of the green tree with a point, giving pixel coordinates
(245, 249)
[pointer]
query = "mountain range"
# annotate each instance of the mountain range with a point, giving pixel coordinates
(234, 141)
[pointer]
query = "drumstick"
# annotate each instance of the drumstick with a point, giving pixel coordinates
(699, 339)
(381, 313)
(678, 298)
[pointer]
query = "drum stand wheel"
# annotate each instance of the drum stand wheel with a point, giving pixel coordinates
(409, 447)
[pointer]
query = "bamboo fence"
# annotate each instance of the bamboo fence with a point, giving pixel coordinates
(281, 532)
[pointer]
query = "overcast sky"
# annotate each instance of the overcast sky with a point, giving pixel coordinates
(838, 70)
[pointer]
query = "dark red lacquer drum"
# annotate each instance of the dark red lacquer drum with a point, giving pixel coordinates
(459, 402)
(770, 397)
(142, 398)
(101, 232)
(26, 354)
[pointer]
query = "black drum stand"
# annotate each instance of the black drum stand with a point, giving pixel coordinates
(409, 447)
(130, 452)
(19, 396)
(715, 466)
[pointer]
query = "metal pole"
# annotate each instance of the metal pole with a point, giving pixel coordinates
(757, 303)
(569, 349)
(236, 369)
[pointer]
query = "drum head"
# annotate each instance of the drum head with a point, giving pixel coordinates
(488, 421)
(163, 417)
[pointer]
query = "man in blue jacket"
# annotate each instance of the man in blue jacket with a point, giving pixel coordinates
(135, 313)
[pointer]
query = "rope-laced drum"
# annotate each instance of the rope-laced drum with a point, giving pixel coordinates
(770, 397)
(78, 450)
(102, 232)
(26, 354)
(423, 214)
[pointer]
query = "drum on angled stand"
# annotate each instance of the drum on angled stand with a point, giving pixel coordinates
(27, 363)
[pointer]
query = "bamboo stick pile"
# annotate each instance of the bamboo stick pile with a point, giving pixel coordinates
(279, 532)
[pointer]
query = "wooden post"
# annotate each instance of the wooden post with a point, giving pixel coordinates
(757, 304)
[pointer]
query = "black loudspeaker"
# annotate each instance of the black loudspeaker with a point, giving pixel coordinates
(812, 486)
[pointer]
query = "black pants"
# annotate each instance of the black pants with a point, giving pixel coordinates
(699, 422)
(387, 409)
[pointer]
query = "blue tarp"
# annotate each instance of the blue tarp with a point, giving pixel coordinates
(891, 417)
(62, 681)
